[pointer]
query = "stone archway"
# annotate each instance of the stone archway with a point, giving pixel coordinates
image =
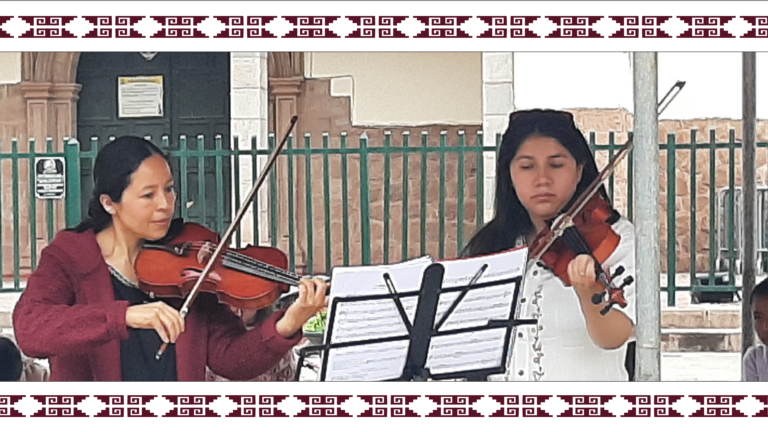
(50, 94)
(43, 106)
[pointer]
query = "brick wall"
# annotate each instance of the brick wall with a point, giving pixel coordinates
(620, 121)
(319, 112)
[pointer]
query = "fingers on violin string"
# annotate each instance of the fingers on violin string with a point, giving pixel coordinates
(320, 288)
(303, 291)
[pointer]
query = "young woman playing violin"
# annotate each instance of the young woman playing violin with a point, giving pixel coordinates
(82, 307)
(544, 163)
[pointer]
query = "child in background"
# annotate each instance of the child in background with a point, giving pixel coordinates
(15, 366)
(755, 366)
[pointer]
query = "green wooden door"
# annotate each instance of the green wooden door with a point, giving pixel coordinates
(195, 103)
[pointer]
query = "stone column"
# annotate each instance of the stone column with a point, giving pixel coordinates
(498, 103)
(249, 103)
(63, 109)
(284, 93)
(37, 97)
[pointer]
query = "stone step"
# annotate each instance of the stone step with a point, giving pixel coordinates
(701, 340)
(695, 317)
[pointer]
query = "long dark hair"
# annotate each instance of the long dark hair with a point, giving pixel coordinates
(511, 219)
(112, 171)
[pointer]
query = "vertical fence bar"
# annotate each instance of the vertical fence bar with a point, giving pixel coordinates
(201, 180)
(441, 215)
(671, 219)
(72, 162)
(423, 203)
(460, 201)
(255, 173)
(693, 224)
(219, 178)
(308, 168)
(480, 207)
(183, 177)
(235, 160)
(406, 159)
(593, 145)
(32, 205)
(365, 202)
(327, 206)
(713, 252)
(49, 204)
(611, 148)
(732, 206)
(387, 162)
(15, 189)
(272, 193)
(291, 213)
(344, 199)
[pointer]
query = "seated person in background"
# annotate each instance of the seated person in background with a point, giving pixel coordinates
(755, 367)
(15, 366)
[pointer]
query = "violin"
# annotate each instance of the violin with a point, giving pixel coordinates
(252, 277)
(585, 228)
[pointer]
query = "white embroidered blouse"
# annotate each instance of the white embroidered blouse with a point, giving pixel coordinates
(559, 348)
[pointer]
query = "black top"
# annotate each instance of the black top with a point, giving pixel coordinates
(137, 352)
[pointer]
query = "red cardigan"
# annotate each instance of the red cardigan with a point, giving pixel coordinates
(68, 313)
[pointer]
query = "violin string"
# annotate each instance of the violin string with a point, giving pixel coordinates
(251, 265)
(575, 237)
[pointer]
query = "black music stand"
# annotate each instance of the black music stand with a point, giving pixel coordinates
(424, 330)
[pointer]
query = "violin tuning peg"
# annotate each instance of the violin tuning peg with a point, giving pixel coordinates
(618, 272)
(597, 298)
(628, 280)
(606, 309)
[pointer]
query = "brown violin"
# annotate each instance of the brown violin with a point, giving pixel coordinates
(252, 277)
(586, 228)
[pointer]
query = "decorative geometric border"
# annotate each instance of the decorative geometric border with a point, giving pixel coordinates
(403, 26)
(285, 406)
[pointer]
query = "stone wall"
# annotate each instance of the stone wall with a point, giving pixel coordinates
(621, 121)
(13, 124)
(319, 113)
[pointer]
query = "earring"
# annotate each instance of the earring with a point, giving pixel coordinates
(110, 210)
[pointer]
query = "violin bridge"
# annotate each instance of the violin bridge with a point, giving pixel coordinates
(204, 253)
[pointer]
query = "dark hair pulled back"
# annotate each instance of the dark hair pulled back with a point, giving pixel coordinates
(112, 171)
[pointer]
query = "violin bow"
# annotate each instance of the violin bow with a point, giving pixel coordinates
(565, 220)
(184, 311)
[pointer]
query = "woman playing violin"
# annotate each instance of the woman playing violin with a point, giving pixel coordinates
(82, 307)
(544, 163)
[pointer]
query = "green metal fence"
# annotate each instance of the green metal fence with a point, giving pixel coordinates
(715, 265)
(412, 189)
(19, 207)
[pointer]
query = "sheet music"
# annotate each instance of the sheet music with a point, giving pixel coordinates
(370, 320)
(373, 362)
(360, 281)
(373, 319)
(466, 351)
